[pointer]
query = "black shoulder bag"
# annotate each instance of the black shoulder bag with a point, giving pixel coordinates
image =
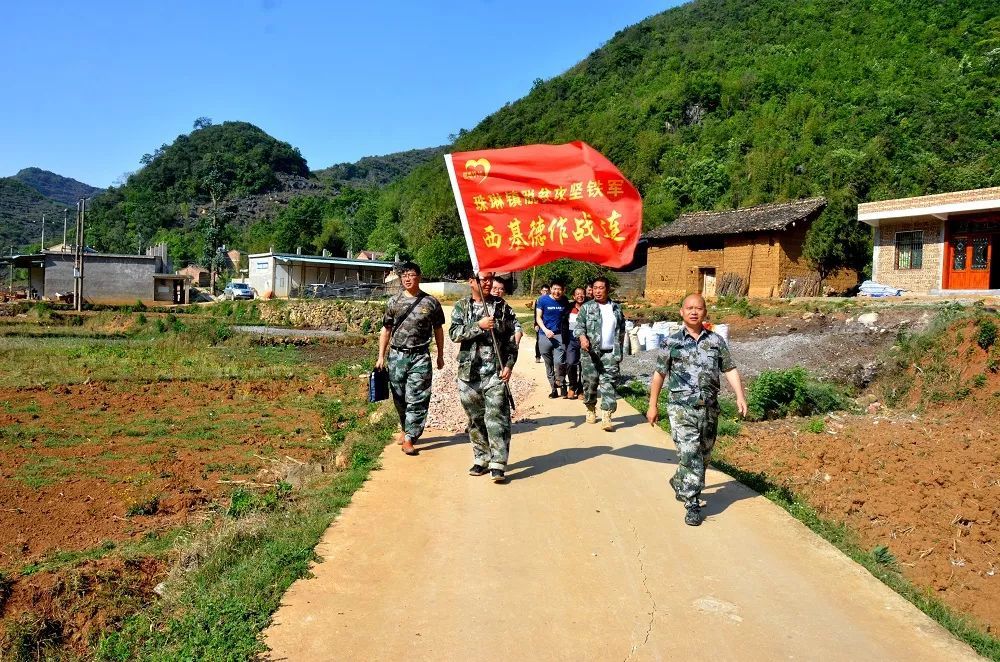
(378, 380)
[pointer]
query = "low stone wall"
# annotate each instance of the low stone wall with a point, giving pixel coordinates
(13, 309)
(443, 290)
(336, 315)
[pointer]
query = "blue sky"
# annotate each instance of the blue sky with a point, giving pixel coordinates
(89, 87)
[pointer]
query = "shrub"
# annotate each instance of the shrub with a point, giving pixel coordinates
(729, 419)
(30, 637)
(884, 557)
(240, 503)
(728, 428)
(979, 380)
(778, 393)
(6, 588)
(816, 426)
(987, 334)
(739, 305)
(146, 507)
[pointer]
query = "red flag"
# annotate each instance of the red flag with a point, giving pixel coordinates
(525, 206)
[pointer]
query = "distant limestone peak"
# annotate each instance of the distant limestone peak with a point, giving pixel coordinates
(56, 187)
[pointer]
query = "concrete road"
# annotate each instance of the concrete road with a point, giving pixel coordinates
(583, 555)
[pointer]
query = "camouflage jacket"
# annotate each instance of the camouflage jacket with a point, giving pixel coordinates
(417, 329)
(588, 323)
(476, 356)
(692, 367)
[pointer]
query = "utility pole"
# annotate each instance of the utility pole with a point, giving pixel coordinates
(81, 209)
(43, 233)
(65, 220)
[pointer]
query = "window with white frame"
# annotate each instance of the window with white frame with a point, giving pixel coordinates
(910, 250)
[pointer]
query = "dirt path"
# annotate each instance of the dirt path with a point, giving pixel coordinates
(582, 555)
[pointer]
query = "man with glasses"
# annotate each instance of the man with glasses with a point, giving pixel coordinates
(404, 348)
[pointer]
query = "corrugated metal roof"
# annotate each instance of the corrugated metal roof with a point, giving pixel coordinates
(319, 259)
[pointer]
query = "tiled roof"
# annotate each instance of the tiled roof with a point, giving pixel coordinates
(762, 218)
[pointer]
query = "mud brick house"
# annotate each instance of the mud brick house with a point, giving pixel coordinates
(936, 243)
(753, 251)
(200, 276)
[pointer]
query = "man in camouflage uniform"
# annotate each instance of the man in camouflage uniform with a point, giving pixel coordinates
(691, 361)
(600, 326)
(499, 291)
(483, 376)
(404, 348)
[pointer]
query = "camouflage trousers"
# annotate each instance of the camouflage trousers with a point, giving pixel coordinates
(489, 420)
(599, 379)
(410, 383)
(693, 429)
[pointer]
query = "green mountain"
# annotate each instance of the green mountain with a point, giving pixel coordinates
(379, 170)
(21, 210)
(725, 103)
(200, 191)
(56, 187)
(234, 184)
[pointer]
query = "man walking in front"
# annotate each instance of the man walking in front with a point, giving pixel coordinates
(550, 318)
(600, 326)
(483, 375)
(691, 360)
(404, 348)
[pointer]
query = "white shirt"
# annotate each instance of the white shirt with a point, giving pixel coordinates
(608, 324)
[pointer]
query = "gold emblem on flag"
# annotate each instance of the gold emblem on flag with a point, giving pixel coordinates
(477, 169)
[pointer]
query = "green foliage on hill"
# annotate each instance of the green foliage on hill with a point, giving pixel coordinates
(379, 170)
(21, 210)
(56, 187)
(180, 193)
(726, 103)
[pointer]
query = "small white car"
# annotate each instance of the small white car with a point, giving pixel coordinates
(236, 291)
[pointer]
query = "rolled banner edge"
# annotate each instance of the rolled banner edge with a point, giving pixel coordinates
(460, 204)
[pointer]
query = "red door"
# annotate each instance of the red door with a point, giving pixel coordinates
(968, 262)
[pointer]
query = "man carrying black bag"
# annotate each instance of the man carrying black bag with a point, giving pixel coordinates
(404, 350)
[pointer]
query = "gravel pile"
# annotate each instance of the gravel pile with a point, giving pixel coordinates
(846, 352)
(446, 412)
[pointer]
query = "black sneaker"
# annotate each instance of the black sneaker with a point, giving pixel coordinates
(554, 394)
(693, 516)
(477, 470)
(497, 475)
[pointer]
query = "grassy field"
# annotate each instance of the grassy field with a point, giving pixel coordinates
(166, 479)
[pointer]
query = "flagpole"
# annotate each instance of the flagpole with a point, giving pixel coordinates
(496, 344)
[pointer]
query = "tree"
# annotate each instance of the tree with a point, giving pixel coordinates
(836, 240)
(202, 123)
(573, 273)
(441, 258)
